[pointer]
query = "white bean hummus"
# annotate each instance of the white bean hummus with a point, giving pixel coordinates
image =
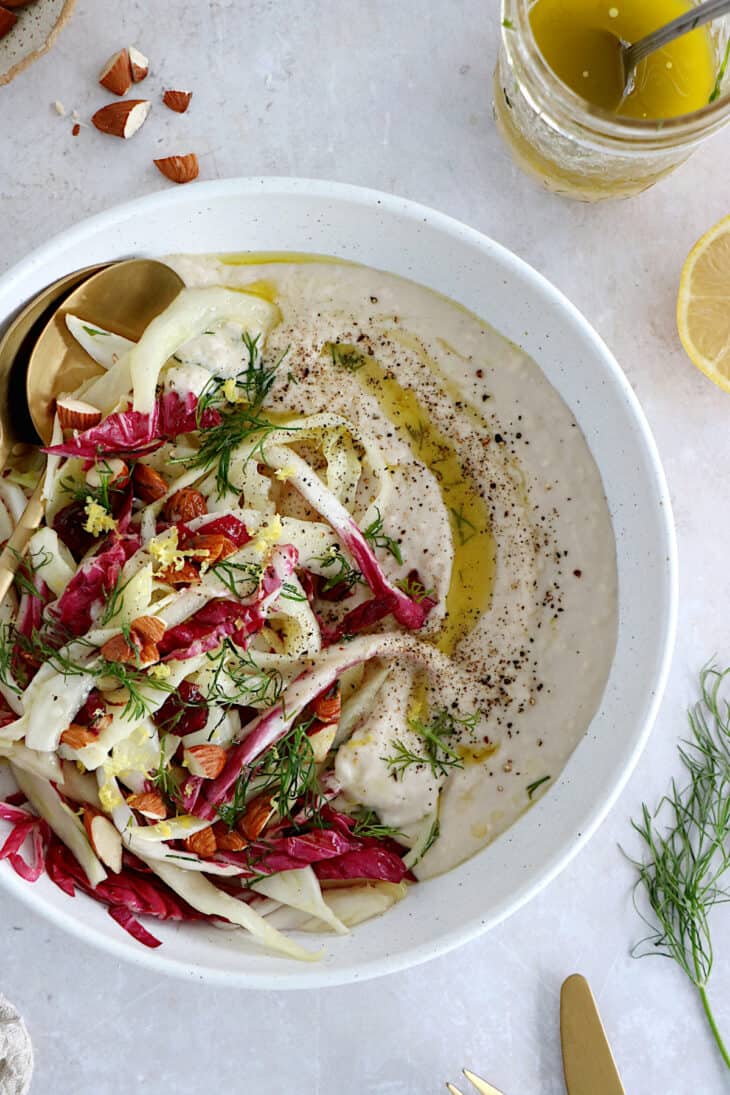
(495, 502)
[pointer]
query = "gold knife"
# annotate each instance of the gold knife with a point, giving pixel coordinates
(588, 1063)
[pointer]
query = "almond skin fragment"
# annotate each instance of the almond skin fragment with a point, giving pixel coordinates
(149, 804)
(179, 169)
(76, 737)
(256, 817)
(116, 75)
(179, 101)
(148, 483)
(139, 64)
(7, 22)
(185, 505)
(206, 761)
(202, 844)
(122, 119)
(228, 840)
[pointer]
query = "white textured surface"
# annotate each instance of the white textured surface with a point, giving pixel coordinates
(387, 95)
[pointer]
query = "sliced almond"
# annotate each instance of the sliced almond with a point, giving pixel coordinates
(206, 761)
(256, 817)
(139, 64)
(103, 838)
(179, 101)
(122, 119)
(75, 414)
(179, 169)
(76, 737)
(116, 75)
(7, 22)
(148, 629)
(111, 471)
(148, 483)
(149, 804)
(228, 840)
(202, 844)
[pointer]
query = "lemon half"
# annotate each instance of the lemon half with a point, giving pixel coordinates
(703, 304)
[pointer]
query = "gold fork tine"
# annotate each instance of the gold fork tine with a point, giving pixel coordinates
(481, 1085)
(453, 1090)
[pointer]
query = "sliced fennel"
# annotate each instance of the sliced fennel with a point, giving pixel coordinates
(301, 890)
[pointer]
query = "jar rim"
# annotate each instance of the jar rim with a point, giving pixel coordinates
(556, 96)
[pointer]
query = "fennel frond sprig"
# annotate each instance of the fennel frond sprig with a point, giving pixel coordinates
(684, 871)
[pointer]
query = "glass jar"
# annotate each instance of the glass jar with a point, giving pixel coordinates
(582, 151)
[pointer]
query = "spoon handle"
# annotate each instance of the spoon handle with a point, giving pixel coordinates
(14, 550)
(695, 17)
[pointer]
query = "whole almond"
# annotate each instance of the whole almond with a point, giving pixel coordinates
(179, 169)
(122, 119)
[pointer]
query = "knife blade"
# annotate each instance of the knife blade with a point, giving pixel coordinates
(588, 1063)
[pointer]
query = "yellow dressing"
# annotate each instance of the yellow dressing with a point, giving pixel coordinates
(576, 39)
(472, 575)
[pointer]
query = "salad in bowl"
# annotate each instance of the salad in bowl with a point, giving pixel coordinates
(324, 598)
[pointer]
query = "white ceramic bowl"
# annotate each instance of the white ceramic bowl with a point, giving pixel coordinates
(407, 239)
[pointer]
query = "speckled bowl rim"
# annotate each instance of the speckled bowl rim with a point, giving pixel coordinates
(329, 207)
(24, 62)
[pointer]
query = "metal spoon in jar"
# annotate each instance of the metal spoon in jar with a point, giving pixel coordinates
(123, 298)
(630, 56)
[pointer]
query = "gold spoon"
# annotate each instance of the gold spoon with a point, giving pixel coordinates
(15, 347)
(123, 298)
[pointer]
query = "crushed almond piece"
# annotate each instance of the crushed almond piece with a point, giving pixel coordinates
(185, 505)
(202, 844)
(150, 804)
(76, 737)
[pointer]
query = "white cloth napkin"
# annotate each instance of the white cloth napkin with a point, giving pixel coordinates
(16, 1052)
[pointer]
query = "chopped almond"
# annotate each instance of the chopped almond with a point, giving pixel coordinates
(179, 169)
(179, 101)
(122, 119)
(117, 649)
(75, 414)
(76, 130)
(103, 837)
(228, 840)
(76, 737)
(206, 761)
(187, 575)
(148, 629)
(139, 64)
(217, 545)
(150, 804)
(116, 75)
(185, 505)
(202, 844)
(256, 817)
(112, 471)
(328, 708)
(149, 485)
